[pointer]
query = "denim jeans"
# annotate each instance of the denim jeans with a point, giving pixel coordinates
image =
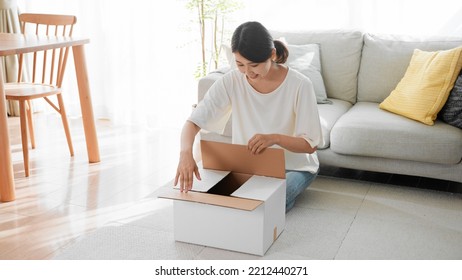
(297, 182)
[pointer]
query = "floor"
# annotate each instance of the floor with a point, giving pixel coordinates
(345, 214)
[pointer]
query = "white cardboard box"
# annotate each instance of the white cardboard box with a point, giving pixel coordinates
(238, 205)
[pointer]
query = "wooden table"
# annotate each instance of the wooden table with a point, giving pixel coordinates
(11, 44)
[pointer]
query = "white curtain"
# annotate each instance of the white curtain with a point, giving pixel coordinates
(411, 17)
(9, 23)
(141, 59)
(143, 53)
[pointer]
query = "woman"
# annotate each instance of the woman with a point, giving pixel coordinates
(272, 105)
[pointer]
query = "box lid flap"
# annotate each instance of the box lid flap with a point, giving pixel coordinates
(209, 178)
(237, 158)
(258, 187)
(212, 199)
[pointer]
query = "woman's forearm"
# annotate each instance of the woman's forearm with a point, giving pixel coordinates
(259, 142)
(187, 167)
(294, 144)
(188, 135)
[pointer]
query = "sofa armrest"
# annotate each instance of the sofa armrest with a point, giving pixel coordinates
(206, 82)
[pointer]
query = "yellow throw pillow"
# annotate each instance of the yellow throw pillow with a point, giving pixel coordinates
(425, 87)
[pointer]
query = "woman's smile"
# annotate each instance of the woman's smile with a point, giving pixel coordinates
(252, 76)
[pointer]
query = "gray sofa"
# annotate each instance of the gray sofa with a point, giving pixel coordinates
(359, 71)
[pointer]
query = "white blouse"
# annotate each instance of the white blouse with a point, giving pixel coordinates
(290, 109)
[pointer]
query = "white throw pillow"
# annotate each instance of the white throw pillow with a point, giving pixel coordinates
(229, 56)
(303, 58)
(306, 60)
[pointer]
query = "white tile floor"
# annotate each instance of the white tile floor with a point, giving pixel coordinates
(69, 209)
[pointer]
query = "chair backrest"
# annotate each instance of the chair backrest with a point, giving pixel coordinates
(51, 66)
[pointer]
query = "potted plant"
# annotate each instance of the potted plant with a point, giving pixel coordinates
(212, 16)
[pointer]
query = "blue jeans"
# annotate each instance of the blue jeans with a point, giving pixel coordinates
(297, 182)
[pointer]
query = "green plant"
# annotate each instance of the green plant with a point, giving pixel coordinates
(211, 16)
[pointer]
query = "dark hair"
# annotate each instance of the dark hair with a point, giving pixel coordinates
(254, 42)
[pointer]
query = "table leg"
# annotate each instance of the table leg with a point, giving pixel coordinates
(85, 104)
(6, 166)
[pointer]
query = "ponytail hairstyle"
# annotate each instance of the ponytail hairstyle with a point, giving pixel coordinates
(254, 42)
(282, 53)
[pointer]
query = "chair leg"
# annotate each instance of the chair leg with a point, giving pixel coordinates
(65, 124)
(25, 148)
(30, 124)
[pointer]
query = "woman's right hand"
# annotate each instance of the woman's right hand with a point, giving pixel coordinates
(187, 168)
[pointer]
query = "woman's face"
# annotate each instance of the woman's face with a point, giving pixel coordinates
(253, 70)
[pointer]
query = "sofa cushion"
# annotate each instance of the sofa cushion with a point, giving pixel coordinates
(328, 115)
(340, 58)
(385, 59)
(366, 130)
(452, 110)
(425, 87)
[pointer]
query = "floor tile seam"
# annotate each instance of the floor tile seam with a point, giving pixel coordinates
(196, 257)
(300, 256)
(310, 235)
(323, 230)
(369, 186)
(428, 224)
(333, 211)
(420, 227)
(353, 180)
(417, 220)
(379, 198)
(425, 221)
(352, 221)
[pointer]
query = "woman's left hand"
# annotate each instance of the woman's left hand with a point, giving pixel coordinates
(259, 142)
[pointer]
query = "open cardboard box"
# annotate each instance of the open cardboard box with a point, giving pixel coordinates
(238, 205)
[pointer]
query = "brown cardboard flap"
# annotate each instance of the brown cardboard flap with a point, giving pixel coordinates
(237, 158)
(213, 199)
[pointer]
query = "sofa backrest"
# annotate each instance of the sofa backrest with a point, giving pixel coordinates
(385, 59)
(340, 52)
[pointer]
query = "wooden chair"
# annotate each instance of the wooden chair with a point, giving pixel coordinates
(47, 76)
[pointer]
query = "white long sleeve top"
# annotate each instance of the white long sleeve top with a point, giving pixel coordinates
(290, 109)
